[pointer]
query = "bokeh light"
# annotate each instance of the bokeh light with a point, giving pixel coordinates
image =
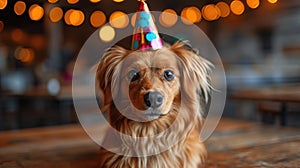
(107, 33)
(97, 19)
(211, 12)
(37, 41)
(36, 12)
(237, 7)
(272, 1)
(1, 26)
(191, 15)
(19, 7)
(3, 4)
(72, 1)
(133, 19)
(17, 35)
(76, 17)
(118, 19)
(56, 14)
(224, 9)
(25, 55)
(168, 18)
(252, 3)
(118, 0)
(52, 1)
(95, 1)
(67, 16)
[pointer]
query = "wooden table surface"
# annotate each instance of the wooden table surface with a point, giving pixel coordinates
(234, 143)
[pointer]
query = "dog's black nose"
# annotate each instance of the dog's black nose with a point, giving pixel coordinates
(153, 99)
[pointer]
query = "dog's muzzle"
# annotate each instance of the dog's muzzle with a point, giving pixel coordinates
(153, 99)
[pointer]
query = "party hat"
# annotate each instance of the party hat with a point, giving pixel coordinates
(145, 34)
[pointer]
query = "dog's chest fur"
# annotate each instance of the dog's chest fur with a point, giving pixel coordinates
(188, 153)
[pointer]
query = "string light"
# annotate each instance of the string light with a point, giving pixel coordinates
(272, 1)
(118, 19)
(133, 19)
(19, 7)
(224, 9)
(25, 55)
(211, 12)
(168, 18)
(252, 3)
(76, 17)
(52, 1)
(118, 1)
(67, 16)
(95, 1)
(56, 14)
(191, 15)
(72, 1)
(36, 12)
(107, 33)
(17, 35)
(3, 4)
(237, 7)
(97, 19)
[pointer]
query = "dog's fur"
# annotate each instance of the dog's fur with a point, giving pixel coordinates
(180, 96)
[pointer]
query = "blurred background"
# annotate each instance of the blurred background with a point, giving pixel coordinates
(257, 40)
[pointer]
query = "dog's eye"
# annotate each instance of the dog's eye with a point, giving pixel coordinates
(168, 75)
(133, 75)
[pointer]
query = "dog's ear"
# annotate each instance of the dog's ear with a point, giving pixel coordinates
(194, 78)
(194, 73)
(108, 67)
(195, 69)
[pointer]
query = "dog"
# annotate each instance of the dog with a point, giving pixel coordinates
(146, 92)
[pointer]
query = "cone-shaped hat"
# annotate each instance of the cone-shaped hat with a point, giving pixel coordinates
(145, 34)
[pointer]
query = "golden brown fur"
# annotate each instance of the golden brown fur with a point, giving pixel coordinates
(181, 102)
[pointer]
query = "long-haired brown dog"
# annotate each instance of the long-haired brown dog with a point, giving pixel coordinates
(153, 90)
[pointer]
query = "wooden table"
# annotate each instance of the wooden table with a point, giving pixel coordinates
(282, 94)
(234, 144)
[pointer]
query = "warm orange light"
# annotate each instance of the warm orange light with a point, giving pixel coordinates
(76, 17)
(36, 12)
(133, 19)
(211, 12)
(56, 14)
(3, 4)
(95, 1)
(37, 41)
(168, 18)
(224, 9)
(72, 1)
(272, 1)
(190, 15)
(25, 55)
(237, 7)
(97, 19)
(253, 3)
(19, 7)
(52, 1)
(118, 19)
(118, 0)
(67, 16)
(1, 26)
(107, 33)
(18, 35)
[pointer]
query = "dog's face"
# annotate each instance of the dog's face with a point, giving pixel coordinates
(152, 81)
(149, 85)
